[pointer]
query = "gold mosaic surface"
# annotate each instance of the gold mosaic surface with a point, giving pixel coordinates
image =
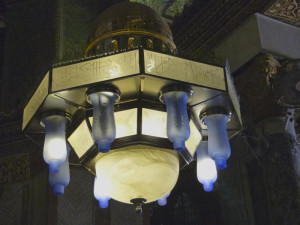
(285, 10)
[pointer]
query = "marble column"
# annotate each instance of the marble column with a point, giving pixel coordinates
(270, 134)
(259, 52)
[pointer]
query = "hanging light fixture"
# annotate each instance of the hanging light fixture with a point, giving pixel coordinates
(137, 109)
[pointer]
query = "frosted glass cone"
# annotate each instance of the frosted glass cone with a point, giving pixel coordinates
(218, 142)
(104, 202)
(178, 128)
(102, 190)
(61, 179)
(55, 146)
(58, 189)
(206, 167)
(163, 201)
(208, 186)
(104, 129)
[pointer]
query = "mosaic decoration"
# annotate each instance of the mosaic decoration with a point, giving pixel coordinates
(212, 21)
(168, 9)
(285, 10)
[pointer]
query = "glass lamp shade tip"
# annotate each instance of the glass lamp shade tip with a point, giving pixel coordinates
(208, 187)
(104, 146)
(54, 167)
(58, 189)
(179, 146)
(221, 163)
(162, 202)
(103, 203)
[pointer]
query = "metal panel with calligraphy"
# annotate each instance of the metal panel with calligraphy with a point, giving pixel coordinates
(96, 70)
(184, 70)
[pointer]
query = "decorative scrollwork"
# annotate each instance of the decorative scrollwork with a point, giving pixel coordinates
(287, 10)
(268, 65)
(14, 168)
(252, 85)
(4, 172)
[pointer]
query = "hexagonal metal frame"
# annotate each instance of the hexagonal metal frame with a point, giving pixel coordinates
(138, 74)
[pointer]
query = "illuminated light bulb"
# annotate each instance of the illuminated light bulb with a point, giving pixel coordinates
(61, 179)
(104, 128)
(218, 142)
(178, 128)
(102, 187)
(163, 201)
(206, 167)
(55, 146)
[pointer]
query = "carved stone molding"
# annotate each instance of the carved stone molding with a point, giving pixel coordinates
(269, 66)
(14, 168)
(19, 167)
(286, 84)
(252, 85)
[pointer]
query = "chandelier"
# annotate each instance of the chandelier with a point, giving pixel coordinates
(133, 111)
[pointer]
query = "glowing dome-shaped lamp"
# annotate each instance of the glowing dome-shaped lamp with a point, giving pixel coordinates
(136, 172)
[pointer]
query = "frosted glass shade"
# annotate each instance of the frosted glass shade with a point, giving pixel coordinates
(218, 142)
(138, 172)
(178, 128)
(104, 129)
(102, 190)
(55, 146)
(61, 179)
(206, 167)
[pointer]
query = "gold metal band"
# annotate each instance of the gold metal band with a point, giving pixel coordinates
(132, 32)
